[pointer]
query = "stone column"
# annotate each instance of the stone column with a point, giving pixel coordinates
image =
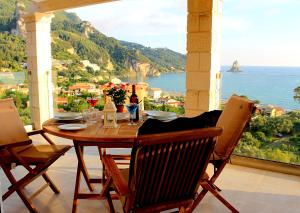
(203, 56)
(39, 66)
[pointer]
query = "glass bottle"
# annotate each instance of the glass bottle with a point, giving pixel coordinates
(134, 99)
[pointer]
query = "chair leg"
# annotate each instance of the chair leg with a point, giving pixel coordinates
(208, 187)
(110, 203)
(19, 191)
(25, 200)
(106, 192)
(51, 184)
(198, 199)
(217, 188)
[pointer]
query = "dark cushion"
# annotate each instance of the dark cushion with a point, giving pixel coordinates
(206, 119)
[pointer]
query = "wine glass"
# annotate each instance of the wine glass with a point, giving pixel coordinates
(92, 101)
(131, 108)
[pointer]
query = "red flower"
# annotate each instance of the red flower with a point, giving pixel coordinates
(123, 86)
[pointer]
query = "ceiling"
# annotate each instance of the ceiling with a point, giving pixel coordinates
(54, 5)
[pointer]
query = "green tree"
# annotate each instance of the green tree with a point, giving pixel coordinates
(297, 94)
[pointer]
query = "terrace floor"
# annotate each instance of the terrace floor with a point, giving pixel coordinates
(248, 189)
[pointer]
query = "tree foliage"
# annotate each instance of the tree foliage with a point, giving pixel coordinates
(21, 101)
(272, 138)
(297, 94)
(12, 52)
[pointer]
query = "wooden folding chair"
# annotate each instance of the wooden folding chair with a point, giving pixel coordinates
(16, 149)
(153, 126)
(234, 119)
(165, 171)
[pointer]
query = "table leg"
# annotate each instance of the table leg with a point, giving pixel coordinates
(77, 188)
(101, 152)
(81, 165)
(81, 168)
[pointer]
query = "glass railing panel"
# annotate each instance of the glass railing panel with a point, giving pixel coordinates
(14, 84)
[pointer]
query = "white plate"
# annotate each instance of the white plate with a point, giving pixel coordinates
(72, 127)
(67, 119)
(160, 114)
(164, 119)
(67, 116)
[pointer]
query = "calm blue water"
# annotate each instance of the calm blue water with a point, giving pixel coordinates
(16, 78)
(270, 85)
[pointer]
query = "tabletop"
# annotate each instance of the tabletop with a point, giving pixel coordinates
(122, 136)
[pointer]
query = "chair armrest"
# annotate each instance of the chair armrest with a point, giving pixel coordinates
(41, 132)
(113, 172)
(16, 144)
(35, 132)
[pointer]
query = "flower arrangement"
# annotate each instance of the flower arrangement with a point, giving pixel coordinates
(117, 92)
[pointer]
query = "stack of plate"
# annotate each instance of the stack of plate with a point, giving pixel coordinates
(72, 127)
(68, 116)
(161, 115)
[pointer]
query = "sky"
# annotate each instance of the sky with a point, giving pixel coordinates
(255, 32)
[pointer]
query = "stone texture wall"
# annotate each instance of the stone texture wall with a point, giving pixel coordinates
(38, 41)
(203, 56)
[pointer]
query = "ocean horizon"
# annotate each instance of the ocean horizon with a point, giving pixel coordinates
(267, 84)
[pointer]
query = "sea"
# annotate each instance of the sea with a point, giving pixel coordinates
(269, 85)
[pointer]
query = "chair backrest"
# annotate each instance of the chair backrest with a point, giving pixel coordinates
(234, 118)
(12, 130)
(167, 167)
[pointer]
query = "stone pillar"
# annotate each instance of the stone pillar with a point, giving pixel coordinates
(203, 56)
(39, 67)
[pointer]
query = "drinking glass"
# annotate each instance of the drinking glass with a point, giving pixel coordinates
(92, 101)
(91, 116)
(131, 108)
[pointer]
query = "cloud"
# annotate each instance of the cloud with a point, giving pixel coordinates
(235, 24)
(273, 12)
(254, 4)
(147, 17)
(155, 23)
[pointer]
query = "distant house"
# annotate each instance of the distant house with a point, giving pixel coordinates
(61, 101)
(278, 111)
(163, 100)
(155, 93)
(270, 110)
(9, 87)
(173, 102)
(82, 86)
(95, 91)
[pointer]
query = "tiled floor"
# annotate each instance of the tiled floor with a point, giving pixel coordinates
(249, 190)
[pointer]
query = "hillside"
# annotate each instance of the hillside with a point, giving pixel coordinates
(164, 58)
(78, 44)
(7, 10)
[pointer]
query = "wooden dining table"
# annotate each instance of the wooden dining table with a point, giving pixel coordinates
(94, 135)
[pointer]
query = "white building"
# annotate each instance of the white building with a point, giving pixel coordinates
(155, 93)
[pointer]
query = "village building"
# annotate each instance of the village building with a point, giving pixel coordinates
(155, 93)
(270, 110)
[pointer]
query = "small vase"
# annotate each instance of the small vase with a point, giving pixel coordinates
(120, 108)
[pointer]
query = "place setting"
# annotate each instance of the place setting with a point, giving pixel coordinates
(70, 121)
(160, 115)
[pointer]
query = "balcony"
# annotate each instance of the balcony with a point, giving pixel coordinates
(248, 189)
